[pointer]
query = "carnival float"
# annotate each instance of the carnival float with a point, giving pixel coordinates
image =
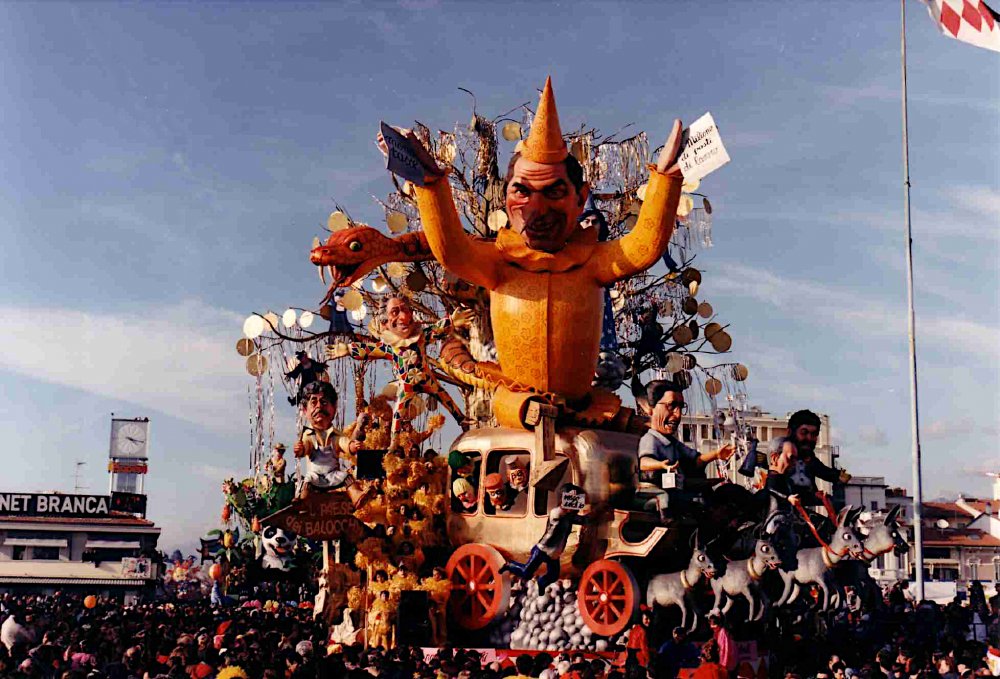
(553, 311)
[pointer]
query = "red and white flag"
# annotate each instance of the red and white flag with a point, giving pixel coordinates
(970, 21)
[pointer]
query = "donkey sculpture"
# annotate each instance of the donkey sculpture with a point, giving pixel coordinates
(883, 537)
(674, 589)
(816, 563)
(742, 578)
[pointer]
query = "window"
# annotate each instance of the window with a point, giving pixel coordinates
(45, 553)
(687, 433)
(513, 466)
(17, 553)
(874, 505)
(469, 502)
(547, 500)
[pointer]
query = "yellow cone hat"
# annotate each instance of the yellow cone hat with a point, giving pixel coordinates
(545, 143)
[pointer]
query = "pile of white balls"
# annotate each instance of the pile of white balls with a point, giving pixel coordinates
(546, 621)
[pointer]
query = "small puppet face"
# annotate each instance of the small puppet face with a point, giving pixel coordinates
(517, 477)
(590, 222)
(543, 205)
(467, 498)
(399, 318)
(497, 496)
(320, 411)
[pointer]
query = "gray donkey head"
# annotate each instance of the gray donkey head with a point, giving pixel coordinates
(885, 537)
(845, 540)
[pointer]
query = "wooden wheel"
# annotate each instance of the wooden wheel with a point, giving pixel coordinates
(608, 597)
(479, 592)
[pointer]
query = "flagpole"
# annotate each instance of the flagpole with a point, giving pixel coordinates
(918, 494)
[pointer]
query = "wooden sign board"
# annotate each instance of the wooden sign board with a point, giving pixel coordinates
(321, 516)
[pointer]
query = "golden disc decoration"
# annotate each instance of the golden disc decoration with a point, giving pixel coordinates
(683, 378)
(351, 300)
(691, 274)
(711, 329)
(705, 310)
(690, 185)
(693, 327)
(682, 335)
(245, 347)
(288, 318)
(740, 372)
(253, 326)
(257, 365)
(688, 361)
(395, 270)
(359, 314)
(721, 341)
(497, 220)
(337, 221)
(685, 206)
(693, 288)
(396, 222)
(416, 280)
(511, 131)
(675, 362)
(324, 312)
(641, 193)
(689, 306)
(306, 319)
(713, 387)
(379, 284)
(271, 321)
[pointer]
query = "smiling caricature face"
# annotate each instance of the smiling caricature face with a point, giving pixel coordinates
(399, 318)
(543, 205)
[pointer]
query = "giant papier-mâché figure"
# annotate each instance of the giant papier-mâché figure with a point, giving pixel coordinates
(546, 275)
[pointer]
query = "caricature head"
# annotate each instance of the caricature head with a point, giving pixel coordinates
(464, 491)
(304, 358)
(381, 576)
(320, 404)
(517, 473)
(279, 451)
(439, 572)
(460, 463)
(803, 428)
(494, 485)
(544, 184)
(667, 401)
(399, 317)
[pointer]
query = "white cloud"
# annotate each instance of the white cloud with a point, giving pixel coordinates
(944, 429)
(873, 436)
(178, 359)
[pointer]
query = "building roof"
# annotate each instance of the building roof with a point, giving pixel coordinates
(116, 519)
(959, 537)
(944, 510)
(65, 573)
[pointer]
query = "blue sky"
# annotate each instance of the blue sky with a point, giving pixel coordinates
(165, 167)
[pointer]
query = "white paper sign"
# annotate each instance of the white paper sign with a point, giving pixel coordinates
(401, 159)
(702, 151)
(573, 500)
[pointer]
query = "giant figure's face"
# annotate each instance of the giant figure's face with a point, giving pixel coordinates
(543, 205)
(320, 410)
(667, 413)
(806, 436)
(399, 318)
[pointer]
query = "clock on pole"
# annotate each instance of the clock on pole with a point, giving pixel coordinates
(127, 455)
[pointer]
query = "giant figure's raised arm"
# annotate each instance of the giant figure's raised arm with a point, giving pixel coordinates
(469, 258)
(647, 241)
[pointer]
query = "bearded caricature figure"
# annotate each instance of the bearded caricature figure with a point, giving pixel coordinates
(404, 342)
(546, 275)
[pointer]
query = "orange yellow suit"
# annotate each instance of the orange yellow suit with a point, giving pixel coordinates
(546, 308)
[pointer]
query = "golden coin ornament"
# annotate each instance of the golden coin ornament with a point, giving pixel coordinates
(253, 326)
(705, 310)
(337, 221)
(257, 365)
(306, 319)
(713, 387)
(288, 318)
(497, 220)
(682, 335)
(351, 300)
(511, 131)
(721, 341)
(740, 372)
(395, 270)
(396, 222)
(245, 347)
(416, 280)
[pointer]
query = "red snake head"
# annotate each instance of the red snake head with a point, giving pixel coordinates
(351, 253)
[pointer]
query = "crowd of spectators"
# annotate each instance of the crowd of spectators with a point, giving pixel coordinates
(59, 637)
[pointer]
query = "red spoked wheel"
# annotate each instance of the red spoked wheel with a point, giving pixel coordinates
(479, 592)
(608, 597)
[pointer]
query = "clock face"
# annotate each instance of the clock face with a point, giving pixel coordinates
(130, 439)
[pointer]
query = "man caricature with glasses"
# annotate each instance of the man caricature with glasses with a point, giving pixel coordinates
(661, 452)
